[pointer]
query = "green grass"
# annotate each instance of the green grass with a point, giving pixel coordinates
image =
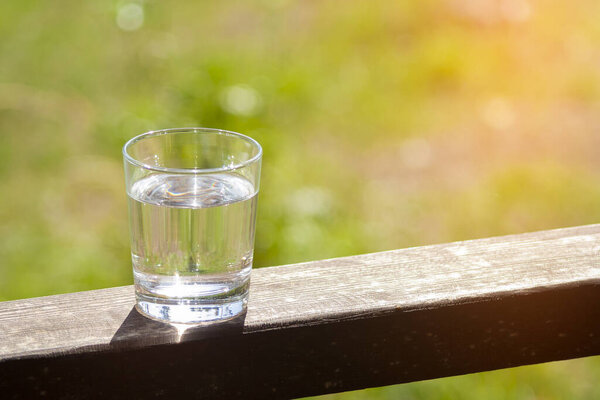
(384, 126)
(565, 380)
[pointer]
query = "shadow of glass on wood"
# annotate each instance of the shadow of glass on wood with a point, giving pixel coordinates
(139, 331)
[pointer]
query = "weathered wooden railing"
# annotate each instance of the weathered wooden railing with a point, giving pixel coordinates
(323, 326)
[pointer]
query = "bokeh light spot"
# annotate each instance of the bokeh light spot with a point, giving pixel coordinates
(416, 153)
(130, 16)
(310, 202)
(498, 114)
(241, 100)
(516, 10)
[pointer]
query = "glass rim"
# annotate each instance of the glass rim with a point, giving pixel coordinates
(159, 132)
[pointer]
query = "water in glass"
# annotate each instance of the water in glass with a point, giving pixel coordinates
(192, 243)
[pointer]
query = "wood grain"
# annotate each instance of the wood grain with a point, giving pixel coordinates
(323, 326)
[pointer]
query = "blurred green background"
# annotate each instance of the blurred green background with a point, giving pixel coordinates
(384, 124)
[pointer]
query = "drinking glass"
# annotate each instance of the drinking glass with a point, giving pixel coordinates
(192, 196)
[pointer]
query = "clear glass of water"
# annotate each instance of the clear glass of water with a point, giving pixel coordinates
(192, 208)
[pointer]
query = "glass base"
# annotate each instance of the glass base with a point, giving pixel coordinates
(187, 311)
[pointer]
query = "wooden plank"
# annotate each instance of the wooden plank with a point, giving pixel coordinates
(323, 326)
